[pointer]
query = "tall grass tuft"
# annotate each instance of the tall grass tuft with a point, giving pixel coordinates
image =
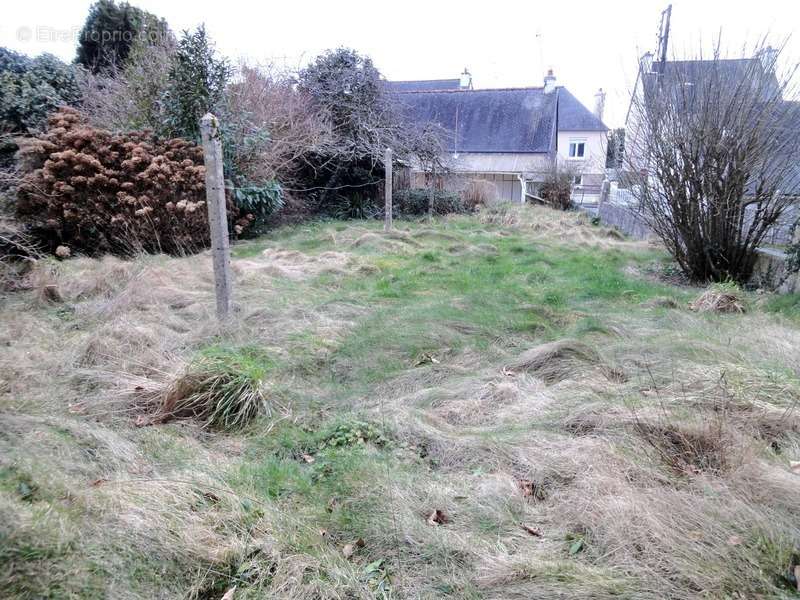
(223, 388)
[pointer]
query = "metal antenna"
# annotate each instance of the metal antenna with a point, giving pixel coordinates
(541, 52)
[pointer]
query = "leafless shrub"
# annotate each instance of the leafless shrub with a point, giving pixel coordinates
(713, 155)
(556, 190)
(271, 126)
(479, 192)
(131, 97)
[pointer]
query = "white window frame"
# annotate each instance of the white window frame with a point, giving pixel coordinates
(576, 143)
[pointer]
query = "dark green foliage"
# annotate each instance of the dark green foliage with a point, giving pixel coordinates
(260, 201)
(345, 173)
(415, 202)
(351, 433)
(111, 31)
(616, 148)
(196, 85)
(31, 89)
(348, 87)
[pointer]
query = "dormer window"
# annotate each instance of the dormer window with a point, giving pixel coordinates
(577, 149)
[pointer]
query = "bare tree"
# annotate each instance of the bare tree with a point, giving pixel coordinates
(713, 152)
(272, 126)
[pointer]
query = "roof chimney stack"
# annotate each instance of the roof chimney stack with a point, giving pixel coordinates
(549, 81)
(599, 103)
(465, 82)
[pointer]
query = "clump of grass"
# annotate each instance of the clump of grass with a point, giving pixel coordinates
(720, 298)
(556, 360)
(223, 388)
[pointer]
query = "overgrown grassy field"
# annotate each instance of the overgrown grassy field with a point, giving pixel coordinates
(510, 405)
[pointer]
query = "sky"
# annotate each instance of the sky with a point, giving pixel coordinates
(588, 44)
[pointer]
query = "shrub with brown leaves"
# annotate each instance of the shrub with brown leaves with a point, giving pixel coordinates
(99, 192)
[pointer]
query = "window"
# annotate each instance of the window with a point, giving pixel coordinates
(577, 149)
(577, 180)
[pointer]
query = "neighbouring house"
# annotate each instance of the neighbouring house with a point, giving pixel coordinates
(666, 76)
(510, 137)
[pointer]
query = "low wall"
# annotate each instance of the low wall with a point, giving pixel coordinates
(770, 272)
(625, 219)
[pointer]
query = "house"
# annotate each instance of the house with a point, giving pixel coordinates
(510, 137)
(689, 81)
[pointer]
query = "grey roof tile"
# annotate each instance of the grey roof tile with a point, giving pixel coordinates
(516, 120)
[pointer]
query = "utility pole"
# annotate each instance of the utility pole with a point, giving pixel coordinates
(663, 36)
(387, 169)
(217, 217)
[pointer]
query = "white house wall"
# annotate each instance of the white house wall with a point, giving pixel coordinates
(497, 162)
(594, 160)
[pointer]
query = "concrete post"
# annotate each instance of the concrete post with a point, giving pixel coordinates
(432, 193)
(605, 190)
(387, 167)
(217, 217)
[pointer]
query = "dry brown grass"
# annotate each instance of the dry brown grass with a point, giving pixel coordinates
(689, 495)
(555, 361)
(719, 300)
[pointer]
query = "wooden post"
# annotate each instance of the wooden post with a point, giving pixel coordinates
(432, 193)
(217, 217)
(387, 167)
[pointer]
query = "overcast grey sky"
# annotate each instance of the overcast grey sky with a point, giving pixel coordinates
(503, 43)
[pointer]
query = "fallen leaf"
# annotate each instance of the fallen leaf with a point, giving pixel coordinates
(437, 517)
(360, 543)
(229, 594)
(527, 487)
(426, 359)
(532, 530)
(308, 458)
(100, 481)
(349, 550)
(576, 547)
(211, 497)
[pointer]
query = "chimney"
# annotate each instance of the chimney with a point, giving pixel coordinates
(767, 56)
(465, 82)
(549, 81)
(599, 103)
(646, 63)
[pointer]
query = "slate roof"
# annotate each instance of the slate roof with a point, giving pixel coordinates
(514, 120)
(727, 70)
(425, 85)
(574, 116)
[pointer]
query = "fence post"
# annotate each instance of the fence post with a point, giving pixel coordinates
(432, 193)
(217, 217)
(387, 167)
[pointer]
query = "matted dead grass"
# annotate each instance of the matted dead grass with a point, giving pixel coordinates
(590, 465)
